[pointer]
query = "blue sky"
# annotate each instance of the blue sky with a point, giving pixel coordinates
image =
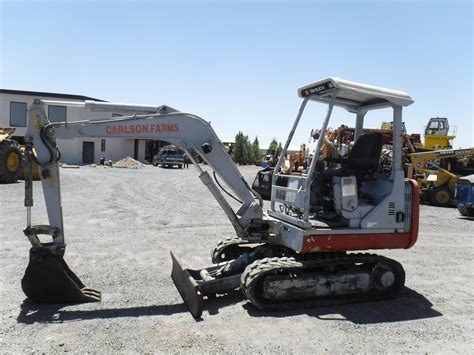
(238, 64)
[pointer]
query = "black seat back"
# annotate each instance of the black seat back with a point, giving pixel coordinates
(364, 156)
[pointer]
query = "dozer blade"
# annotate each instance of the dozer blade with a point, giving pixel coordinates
(188, 288)
(48, 279)
(194, 284)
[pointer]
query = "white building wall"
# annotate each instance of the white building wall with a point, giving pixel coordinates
(72, 149)
(5, 100)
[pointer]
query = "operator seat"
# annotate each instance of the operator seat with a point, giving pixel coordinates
(362, 162)
(364, 157)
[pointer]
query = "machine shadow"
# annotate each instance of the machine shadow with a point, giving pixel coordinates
(31, 312)
(409, 305)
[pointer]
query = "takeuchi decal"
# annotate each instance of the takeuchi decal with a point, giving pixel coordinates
(141, 128)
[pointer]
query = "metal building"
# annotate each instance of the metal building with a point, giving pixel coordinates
(13, 112)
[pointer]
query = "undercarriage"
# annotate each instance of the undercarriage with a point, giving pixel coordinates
(275, 278)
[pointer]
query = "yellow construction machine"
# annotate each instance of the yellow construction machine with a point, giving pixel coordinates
(11, 158)
(435, 172)
(438, 134)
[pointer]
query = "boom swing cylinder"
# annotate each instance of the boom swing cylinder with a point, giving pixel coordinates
(294, 254)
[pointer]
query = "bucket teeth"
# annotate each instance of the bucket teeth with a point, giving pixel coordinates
(48, 279)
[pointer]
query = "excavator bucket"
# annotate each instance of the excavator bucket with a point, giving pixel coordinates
(48, 279)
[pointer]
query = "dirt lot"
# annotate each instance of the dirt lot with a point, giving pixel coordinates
(120, 225)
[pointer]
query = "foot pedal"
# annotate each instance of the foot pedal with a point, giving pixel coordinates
(48, 279)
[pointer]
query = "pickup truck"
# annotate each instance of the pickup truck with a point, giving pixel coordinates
(168, 158)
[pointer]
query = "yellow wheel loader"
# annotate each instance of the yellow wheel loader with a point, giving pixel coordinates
(11, 158)
(438, 184)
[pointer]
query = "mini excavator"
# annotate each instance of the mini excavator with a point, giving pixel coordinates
(299, 253)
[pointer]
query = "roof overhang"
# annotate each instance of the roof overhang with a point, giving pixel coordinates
(354, 96)
(48, 95)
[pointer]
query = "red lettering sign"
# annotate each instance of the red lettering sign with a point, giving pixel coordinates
(130, 129)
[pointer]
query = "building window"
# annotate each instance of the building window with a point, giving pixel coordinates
(17, 114)
(102, 145)
(56, 113)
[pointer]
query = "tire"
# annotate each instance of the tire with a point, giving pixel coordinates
(180, 166)
(11, 162)
(470, 212)
(441, 196)
(466, 211)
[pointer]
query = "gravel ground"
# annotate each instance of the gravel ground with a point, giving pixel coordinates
(120, 226)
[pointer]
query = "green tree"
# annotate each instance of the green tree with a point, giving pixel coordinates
(256, 149)
(250, 152)
(272, 148)
(279, 149)
(239, 151)
(245, 152)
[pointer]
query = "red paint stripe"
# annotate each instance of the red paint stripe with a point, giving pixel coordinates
(343, 242)
(415, 213)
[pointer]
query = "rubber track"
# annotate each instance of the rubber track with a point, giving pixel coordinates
(253, 276)
(231, 244)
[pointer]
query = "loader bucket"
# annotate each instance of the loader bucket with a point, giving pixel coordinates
(48, 279)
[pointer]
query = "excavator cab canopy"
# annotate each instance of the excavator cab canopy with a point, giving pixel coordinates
(291, 202)
(354, 96)
(437, 126)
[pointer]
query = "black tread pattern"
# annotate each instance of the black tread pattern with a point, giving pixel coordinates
(6, 147)
(228, 249)
(253, 276)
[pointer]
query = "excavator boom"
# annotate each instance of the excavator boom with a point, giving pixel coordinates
(421, 159)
